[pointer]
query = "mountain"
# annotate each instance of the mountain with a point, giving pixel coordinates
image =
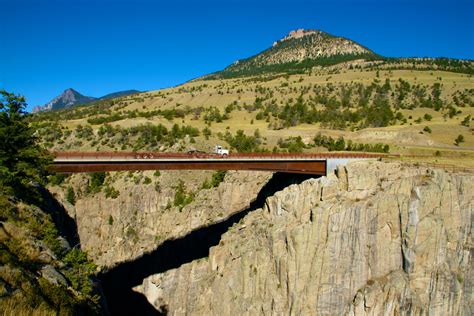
(71, 97)
(299, 49)
(66, 99)
(302, 49)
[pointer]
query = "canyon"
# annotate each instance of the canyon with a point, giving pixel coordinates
(372, 238)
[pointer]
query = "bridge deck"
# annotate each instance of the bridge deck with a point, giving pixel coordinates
(119, 161)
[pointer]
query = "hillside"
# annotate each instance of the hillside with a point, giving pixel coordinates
(42, 272)
(413, 111)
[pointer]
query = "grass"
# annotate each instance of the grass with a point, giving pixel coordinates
(219, 93)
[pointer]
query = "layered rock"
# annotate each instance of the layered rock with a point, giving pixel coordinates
(142, 217)
(376, 238)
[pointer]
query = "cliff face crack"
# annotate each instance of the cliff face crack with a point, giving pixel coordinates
(119, 281)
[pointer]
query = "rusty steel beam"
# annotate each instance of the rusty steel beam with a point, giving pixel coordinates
(289, 166)
(159, 155)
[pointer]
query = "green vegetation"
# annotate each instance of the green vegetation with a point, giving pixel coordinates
(467, 121)
(21, 159)
(217, 178)
(57, 178)
(242, 142)
(459, 140)
(70, 195)
(181, 197)
(288, 68)
(292, 144)
(340, 144)
(80, 268)
(353, 105)
(33, 244)
(95, 182)
(111, 192)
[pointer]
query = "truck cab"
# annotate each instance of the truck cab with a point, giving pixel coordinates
(220, 151)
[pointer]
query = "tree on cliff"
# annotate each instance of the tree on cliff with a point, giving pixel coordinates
(22, 160)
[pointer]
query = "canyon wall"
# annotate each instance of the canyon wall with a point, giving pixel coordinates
(141, 217)
(375, 238)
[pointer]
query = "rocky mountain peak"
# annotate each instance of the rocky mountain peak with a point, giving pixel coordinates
(68, 98)
(299, 33)
(300, 49)
(71, 97)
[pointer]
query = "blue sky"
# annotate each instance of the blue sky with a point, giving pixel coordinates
(98, 47)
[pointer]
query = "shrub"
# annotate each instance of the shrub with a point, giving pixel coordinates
(70, 196)
(217, 178)
(57, 178)
(466, 121)
(242, 142)
(181, 198)
(80, 270)
(111, 192)
(458, 140)
(157, 186)
(340, 144)
(96, 181)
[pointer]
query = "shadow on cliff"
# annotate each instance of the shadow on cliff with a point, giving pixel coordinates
(117, 282)
(67, 228)
(66, 225)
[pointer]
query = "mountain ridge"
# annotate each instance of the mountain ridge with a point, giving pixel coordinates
(71, 97)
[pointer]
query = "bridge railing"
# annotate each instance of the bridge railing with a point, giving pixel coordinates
(164, 155)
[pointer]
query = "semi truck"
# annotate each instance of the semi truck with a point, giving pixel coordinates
(221, 151)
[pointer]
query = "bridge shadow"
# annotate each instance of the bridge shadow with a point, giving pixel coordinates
(117, 282)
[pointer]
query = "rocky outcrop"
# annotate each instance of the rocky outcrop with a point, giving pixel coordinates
(142, 217)
(375, 238)
(40, 274)
(299, 33)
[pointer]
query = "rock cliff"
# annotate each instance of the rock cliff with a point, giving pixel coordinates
(141, 218)
(375, 238)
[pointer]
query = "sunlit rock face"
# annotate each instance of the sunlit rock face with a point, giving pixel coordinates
(142, 217)
(375, 238)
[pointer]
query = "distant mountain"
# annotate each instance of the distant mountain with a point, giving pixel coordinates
(299, 49)
(66, 99)
(71, 97)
